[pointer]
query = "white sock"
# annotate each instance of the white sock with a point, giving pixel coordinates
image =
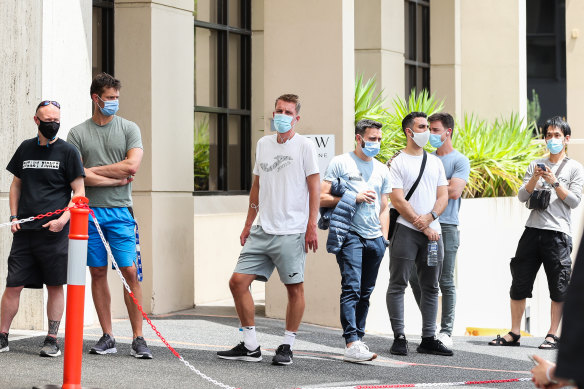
(249, 338)
(289, 337)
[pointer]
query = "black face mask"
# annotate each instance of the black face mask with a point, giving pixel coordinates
(49, 129)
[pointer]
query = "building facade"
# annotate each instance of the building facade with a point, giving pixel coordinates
(200, 78)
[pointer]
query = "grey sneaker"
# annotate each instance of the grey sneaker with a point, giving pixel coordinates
(283, 355)
(50, 348)
(105, 345)
(140, 349)
(4, 342)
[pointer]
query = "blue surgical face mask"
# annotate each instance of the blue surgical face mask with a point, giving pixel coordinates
(110, 107)
(282, 123)
(555, 146)
(370, 149)
(436, 140)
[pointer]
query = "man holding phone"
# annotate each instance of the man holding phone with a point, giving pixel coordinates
(547, 236)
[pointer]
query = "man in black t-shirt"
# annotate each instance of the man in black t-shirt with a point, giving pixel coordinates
(46, 169)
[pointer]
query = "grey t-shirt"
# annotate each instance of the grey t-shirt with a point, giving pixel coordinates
(106, 145)
(557, 216)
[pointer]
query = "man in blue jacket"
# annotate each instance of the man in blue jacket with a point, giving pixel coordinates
(363, 245)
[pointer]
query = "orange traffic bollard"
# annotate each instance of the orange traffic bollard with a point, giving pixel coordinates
(77, 263)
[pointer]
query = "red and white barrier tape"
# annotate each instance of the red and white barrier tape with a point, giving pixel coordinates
(127, 287)
(110, 256)
(435, 384)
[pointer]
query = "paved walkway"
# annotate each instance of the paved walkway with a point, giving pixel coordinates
(198, 333)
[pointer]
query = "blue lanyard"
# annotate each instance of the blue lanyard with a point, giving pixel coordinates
(138, 256)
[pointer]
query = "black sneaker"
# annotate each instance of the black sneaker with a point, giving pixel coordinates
(431, 345)
(241, 353)
(50, 348)
(4, 342)
(105, 345)
(140, 349)
(399, 346)
(283, 355)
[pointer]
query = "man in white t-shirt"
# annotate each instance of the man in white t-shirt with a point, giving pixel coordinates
(417, 226)
(285, 192)
(363, 247)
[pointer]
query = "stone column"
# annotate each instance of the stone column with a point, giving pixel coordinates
(309, 50)
(20, 48)
(379, 44)
(493, 58)
(445, 55)
(154, 60)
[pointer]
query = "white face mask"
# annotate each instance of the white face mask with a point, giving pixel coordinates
(421, 138)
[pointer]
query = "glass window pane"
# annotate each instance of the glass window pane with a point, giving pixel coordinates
(205, 67)
(541, 57)
(206, 10)
(425, 28)
(234, 71)
(540, 16)
(96, 47)
(234, 10)
(234, 165)
(205, 152)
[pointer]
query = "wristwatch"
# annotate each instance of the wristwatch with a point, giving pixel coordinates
(434, 215)
(556, 184)
(12, 217)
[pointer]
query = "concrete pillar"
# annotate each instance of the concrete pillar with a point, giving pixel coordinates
(445, 54)
(155, 62)
(493, 58)
(574, 58)
(309, 50)
(379, 44)
(20, 48)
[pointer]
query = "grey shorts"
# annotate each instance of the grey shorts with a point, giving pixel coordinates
(263, 252)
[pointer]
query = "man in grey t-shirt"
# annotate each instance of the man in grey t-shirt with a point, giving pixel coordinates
(547, 236)
(457, 169)
(111, 149)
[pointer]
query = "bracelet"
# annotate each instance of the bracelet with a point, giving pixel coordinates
(13, 217)
(547, 375)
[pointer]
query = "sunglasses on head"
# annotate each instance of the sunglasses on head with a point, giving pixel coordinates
(47, 102)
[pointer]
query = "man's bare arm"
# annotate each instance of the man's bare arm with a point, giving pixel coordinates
(311, 239)
(123, 169)
(13, 198)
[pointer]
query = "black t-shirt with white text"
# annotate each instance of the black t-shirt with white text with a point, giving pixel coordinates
(46, 174)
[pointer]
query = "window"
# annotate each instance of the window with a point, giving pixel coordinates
(103, 37)
(417, 45)
(222, 157)
(546, 55)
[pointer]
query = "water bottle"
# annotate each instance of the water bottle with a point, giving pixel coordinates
(432, 253)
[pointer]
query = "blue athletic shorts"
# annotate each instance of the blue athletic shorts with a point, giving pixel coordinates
(117, 225)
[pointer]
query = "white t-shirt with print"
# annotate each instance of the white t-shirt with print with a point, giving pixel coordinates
(403, 173)
(282, 170)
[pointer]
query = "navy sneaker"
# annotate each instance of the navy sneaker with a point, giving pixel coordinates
(140, 349)
(105, 345)
(241, 353)
(283, 355)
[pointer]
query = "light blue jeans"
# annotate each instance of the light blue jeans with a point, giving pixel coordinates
(451, 240)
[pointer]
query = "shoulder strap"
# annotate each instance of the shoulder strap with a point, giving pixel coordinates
(561, 166)
(413, 188)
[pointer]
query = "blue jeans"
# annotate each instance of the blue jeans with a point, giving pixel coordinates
(451, 240)
(359, 261)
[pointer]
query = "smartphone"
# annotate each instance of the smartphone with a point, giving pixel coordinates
(541, 166)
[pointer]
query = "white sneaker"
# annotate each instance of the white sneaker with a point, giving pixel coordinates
(445, 339)
(358, 352)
